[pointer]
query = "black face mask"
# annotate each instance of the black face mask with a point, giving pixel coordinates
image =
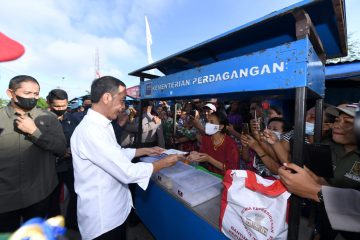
(26, 103)
(58, 112)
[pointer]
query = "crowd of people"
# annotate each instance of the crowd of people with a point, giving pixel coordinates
(40, 150)
(90, 151)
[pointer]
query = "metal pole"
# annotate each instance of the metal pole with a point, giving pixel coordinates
(297, 158)
(139, 133)
(174, 125)
(317, 140)
(318, 120)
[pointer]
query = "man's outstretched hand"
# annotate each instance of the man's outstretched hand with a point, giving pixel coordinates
(155, 151)
(167, 161)
(299, 181)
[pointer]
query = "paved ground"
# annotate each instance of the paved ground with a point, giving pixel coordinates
(138, 232)
(135, 229)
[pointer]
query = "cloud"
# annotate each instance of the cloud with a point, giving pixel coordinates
(60, 38)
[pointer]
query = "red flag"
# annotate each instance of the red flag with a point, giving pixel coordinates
(9, 49)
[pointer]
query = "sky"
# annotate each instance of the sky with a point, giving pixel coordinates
(61, 36)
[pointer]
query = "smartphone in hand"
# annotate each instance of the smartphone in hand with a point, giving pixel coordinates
(317, 157)
(245, 129)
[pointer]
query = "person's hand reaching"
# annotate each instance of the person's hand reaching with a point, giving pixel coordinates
(298, 181)
(155, 151)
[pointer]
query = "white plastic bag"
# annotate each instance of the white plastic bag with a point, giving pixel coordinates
(253, 207)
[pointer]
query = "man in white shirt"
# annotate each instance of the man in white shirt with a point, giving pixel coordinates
(103, 169)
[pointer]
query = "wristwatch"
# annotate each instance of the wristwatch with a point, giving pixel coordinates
(320, 196)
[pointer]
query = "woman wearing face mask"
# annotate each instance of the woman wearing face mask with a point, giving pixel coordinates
(259, 150)
(278, 126)
(217, 150)
(283, 147)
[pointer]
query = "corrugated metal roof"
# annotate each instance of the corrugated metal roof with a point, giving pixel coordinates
(341, 70)
(343, 60)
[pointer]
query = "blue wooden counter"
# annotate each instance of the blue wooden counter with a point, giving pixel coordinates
(167, 217)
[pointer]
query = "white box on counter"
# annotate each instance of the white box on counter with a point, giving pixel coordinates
(149, 159)
(196, 187)
(165, 176)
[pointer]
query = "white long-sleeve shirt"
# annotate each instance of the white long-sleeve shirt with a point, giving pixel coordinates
(102, 171)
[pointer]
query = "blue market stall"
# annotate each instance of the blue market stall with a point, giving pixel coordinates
(283, 54)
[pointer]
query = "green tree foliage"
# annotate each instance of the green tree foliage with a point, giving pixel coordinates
(3, 102)
(41, 103)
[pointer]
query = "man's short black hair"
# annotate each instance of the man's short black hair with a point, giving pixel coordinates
(56, 94)
(16, 81)
(86, 97)
(106, 84)
(146, 103)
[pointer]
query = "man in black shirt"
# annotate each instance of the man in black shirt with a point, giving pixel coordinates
(58, 103)
(30, 141)
(85, 105)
